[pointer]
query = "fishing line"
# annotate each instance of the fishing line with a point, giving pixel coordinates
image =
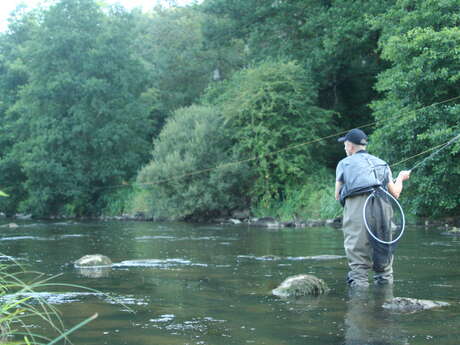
(383, 227)
(439, 147)
(197, 172)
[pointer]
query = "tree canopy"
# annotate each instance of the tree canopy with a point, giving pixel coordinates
(79, 122)
(422, 48)
(94, 96)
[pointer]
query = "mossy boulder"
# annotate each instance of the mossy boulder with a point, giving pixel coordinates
(301, 285)
(94, 260)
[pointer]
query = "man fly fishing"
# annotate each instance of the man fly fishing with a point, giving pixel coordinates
(359, 176)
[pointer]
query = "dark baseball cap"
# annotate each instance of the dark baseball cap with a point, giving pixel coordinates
(356, 136)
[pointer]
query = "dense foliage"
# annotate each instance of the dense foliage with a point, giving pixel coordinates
(172, 47)
(332, 39)
(422, 43)
(85, 90)
(79, 122)
(268, 108)
(191, 174)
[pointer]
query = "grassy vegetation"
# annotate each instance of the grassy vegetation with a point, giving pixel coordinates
(313, 200)
(19, 306)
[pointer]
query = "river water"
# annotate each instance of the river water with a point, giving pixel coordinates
(203, 284)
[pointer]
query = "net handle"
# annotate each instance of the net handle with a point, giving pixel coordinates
(402, 215)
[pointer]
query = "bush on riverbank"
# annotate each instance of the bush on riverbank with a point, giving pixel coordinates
(118, 201)
(272, 114)
(190, 175)
(228, 155)
(314, 199)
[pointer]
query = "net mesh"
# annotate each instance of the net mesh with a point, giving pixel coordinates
(384, 224)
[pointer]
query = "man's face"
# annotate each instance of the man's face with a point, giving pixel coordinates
(348, 147)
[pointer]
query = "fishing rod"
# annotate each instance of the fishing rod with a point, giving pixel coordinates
(443, 146)
(440, 147)
(394, 201)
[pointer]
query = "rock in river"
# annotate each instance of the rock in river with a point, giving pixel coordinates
(412, 305)
(453, 232)
(95, 260)
(301, 285)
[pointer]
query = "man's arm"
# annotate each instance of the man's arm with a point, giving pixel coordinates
(338, 179)
(396, 187)
(338, 187)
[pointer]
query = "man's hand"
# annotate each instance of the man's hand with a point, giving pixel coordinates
(396, 187)
(404, 175)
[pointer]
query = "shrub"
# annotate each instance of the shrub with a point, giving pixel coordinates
(313, 199)
(191, 175)
(271, 111)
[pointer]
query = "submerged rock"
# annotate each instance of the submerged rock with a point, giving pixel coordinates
(95, 271)
(315, 222)
(301, 285)
(453, 231)
(269, 258)
(268, 222)
(241, 214)
(335, 222)
(95, 260)
(23, 216)
(10, 226)
(412, 305)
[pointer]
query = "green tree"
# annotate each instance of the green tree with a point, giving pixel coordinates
(191, 175)
(80, 123)
(179, 62)
(333, 38)
(271, 108)
(13, 76)
(420, 39)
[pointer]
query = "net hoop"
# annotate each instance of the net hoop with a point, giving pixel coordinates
(403, 227)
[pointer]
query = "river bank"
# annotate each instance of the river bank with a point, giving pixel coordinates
(243, 218)
(451, 224)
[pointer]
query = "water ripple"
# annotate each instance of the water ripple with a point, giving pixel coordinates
(18, 238)
(172, 238)
(200, 325)
(165, 263)
(291, 258)
(39, 238)
(50, 297)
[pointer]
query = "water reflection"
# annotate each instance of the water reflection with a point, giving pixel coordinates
(367, 322)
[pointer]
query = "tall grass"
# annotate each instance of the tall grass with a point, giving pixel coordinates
(314, 199)
(18, 308)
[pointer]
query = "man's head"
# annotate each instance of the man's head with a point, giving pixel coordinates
(354, 141)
